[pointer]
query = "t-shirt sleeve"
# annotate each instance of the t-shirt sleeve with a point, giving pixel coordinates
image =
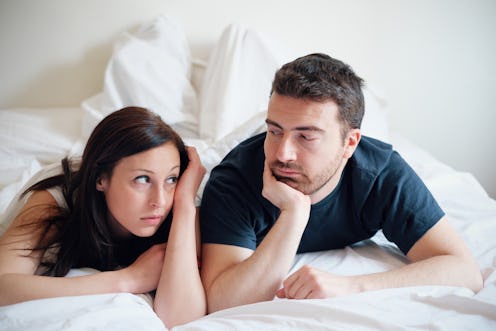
(402, 205)
(225, 211)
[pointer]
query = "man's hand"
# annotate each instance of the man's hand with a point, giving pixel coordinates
(282, 195)
(311, 283)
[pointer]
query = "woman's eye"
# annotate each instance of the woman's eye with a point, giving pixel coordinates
(172, 180)
(142, 179)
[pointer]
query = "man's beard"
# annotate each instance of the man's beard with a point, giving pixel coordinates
(305, 185)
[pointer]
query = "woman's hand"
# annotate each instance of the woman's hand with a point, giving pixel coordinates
(142, 275)
(190, 180)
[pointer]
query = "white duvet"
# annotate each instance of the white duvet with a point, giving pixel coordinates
(215, 105)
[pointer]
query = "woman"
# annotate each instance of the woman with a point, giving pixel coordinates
(113, 212)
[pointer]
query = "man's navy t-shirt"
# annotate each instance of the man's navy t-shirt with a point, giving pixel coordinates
(377, 190)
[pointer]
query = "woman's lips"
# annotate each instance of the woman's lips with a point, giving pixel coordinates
(152, 220)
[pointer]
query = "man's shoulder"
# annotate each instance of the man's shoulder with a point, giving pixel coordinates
(245, 154)
(248, 147)
(245, 161)
(373, 155)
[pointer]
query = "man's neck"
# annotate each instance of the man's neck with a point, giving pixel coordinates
(325, 190)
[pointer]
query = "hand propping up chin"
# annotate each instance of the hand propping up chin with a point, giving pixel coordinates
(282, 195)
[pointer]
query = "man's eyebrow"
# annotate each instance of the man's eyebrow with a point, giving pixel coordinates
(298, 128)
(269, 122)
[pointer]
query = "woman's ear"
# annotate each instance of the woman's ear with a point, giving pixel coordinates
(101, 183)
(351, 142)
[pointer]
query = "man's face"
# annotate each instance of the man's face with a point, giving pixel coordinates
(304, 146)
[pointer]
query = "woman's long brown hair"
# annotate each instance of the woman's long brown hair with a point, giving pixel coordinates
(82, 236)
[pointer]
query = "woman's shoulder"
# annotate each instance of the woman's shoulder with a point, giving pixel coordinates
(40, 198)
(39, 205)
(19, 202)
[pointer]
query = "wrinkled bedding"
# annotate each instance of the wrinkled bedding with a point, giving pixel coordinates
(215, 105)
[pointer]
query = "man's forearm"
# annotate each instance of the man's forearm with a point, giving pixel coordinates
(258, 277)
(440, 257)
(438, 270)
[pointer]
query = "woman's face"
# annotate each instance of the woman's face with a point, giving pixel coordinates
(140, 192)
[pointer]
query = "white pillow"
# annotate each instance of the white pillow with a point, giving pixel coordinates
(237, 81)
(31, 138)
(150, 68)
(375, 122)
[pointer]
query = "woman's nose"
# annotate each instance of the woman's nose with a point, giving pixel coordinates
(158, 198)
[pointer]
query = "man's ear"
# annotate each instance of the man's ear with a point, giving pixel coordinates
(101, 183)
(351, 142)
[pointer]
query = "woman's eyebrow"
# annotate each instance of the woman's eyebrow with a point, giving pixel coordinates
(152, 172)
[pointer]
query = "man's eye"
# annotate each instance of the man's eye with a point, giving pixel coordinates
(275, 132)
(307, 138)
(142, 179)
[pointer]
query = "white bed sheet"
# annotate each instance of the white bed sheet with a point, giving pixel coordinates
(33, 138)
(419, 308)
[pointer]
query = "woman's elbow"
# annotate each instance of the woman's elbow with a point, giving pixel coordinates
(171, 317)
(477, 280)
(473, 275)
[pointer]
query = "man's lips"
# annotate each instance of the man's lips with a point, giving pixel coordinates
(285, 172)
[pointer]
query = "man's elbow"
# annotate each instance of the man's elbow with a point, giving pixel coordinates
(219, 300)
(213, 304)
(211, 307)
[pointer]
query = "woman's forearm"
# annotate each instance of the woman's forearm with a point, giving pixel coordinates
(180, 297)
(17, 288)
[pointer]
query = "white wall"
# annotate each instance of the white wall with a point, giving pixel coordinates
(434, 60)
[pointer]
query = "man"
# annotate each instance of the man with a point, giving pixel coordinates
(313, 182)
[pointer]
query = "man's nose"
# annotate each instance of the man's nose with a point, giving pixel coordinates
(286, 150)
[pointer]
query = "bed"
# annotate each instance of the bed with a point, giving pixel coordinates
(215, 104)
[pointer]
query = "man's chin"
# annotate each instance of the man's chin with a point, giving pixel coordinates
(290, 182)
